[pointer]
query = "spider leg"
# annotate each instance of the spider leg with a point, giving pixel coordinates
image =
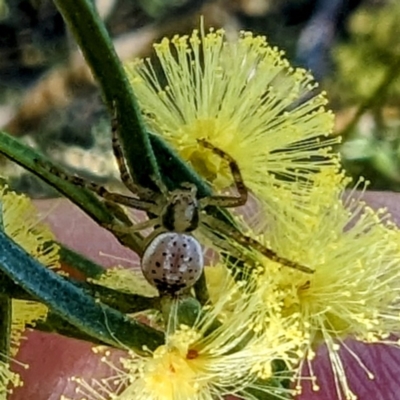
(248, 241)
(226, 201)
(133, 228)
(123, 170)
(161, 185)
(211, 238)
(99, 190)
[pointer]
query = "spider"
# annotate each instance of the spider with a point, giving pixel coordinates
(173, 260)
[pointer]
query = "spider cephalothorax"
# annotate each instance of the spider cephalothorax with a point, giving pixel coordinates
(173, 260)
(181, 213)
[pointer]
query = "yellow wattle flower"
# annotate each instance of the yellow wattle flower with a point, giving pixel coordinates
(243, 97)
(354, 290)
(217, 277)
(126, 280)
(19, 221)
(22, 224)
(8, 380)
(24, 313)
(206, 361)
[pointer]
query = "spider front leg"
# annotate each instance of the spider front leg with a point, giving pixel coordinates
(99, 190)
(140, 226)
(226, 201)
(124, 174)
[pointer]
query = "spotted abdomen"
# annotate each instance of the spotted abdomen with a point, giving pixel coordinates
(172, 262)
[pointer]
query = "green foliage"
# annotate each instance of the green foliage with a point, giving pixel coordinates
(375, 156)
(363, 61)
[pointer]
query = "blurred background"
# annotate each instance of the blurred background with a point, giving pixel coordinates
(49, 100)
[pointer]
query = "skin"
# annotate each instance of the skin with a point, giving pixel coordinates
(53, 358)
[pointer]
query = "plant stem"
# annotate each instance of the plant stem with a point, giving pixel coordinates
(82, 264)
(72, 303)
(127, 303)
(5, 314)
(97, 48)
(86, 200)
(5, 326)
(174, 170)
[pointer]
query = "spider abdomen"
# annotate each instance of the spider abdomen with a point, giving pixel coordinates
(172, 262)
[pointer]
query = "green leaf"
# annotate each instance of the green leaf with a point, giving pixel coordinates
(30, 159)
(96, 45)
(86, 200)
(5, 326)
(82, 264)
(73, 304)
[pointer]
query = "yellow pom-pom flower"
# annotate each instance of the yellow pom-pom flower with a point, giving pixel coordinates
(19, 221)
(8, 380)
(223, 353)
(354, 291)
(243, 97)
